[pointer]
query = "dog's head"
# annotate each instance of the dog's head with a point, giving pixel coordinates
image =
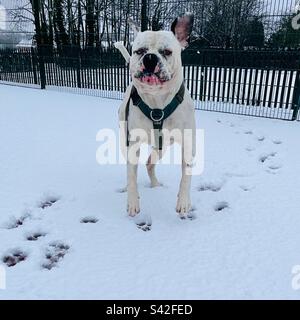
(156, 56)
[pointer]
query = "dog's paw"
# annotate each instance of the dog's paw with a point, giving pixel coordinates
(183, 206)
(155, 184)
(133, 206)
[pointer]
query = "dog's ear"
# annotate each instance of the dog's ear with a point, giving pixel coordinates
(134, 26)
(182, 28)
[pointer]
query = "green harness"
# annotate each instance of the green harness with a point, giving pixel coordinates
(157, 116)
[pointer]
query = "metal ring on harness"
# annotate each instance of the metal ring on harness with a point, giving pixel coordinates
(155, 117)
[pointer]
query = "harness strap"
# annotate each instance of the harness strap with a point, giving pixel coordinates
(126, 121)
(157, 116)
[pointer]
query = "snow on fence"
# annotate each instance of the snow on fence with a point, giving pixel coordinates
(269, 92)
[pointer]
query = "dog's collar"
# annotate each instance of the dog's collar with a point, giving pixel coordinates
(157, 116)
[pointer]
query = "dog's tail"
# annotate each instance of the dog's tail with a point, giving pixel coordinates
(120, 46)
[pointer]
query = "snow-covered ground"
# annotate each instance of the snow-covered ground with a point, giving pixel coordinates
(243, 243)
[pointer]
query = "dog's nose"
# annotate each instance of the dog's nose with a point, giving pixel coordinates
(150, 62)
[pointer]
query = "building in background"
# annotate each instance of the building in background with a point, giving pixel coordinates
(2, 17)
(16, 24)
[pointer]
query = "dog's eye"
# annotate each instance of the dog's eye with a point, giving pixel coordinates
(166, 52)
(141, 51)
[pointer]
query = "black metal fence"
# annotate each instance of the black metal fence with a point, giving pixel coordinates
(252, 69)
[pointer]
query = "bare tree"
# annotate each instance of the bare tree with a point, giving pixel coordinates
(99, 23)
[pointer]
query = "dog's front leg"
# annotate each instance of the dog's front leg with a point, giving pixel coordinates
(133, 205)
(184, 200)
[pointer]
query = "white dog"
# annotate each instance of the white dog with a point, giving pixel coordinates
(157, 101)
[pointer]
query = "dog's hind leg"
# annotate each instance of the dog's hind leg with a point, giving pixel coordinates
(154, 157)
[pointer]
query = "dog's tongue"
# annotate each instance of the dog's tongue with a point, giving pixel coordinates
(151, 79)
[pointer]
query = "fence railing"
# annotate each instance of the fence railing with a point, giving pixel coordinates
(264, 83)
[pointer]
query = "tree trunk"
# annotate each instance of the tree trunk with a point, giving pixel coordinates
(61, 36)
(90, 23)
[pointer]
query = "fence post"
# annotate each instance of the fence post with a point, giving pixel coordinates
(202, 84)
(78, 68)
(36, 12)
(144, 18)
(296, 97)
(33, 61)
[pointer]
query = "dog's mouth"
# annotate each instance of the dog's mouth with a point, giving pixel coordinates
(151, 78)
